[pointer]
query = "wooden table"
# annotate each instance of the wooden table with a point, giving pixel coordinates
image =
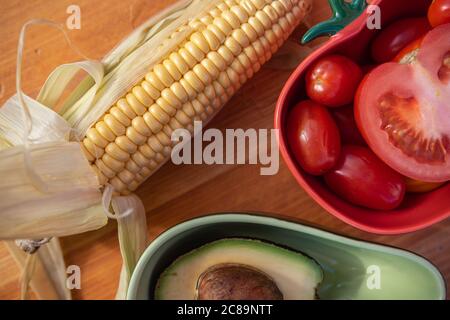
(175, 193)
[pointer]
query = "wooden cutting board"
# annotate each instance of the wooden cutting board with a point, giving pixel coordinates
(175, 193)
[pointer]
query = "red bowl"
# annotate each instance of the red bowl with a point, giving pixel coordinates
(418, 210)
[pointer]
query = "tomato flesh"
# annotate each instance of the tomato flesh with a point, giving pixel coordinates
(396, 36)
(333, 81)
(361, 178)
(403, 111)
(439, 12)
(444, 70)
(313, 137)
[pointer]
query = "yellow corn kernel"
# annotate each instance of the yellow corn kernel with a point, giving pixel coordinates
(230, 42)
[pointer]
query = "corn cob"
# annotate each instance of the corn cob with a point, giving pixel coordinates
(229, 44)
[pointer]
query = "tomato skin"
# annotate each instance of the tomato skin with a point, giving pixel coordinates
(368, 68)
(416, 186)
(439, 12)
(396, 36)
(361, 178)
(410, 51)
(333, 80)
(346, 123)
(313, 137)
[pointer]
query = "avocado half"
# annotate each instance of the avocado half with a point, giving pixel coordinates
(239, 269)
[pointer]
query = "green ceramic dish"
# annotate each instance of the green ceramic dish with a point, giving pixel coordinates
(347, 263)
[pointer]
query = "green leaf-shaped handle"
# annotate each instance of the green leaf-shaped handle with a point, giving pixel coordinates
(343, 14)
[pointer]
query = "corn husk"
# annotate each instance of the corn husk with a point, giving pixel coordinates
(48, 280)
(70, 204)
(49, 188)
(124, 66)
(72, 201)
(133, 237)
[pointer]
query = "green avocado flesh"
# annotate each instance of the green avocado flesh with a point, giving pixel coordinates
(294, 274)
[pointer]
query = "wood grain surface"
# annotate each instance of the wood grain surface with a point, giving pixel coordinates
(175, 193)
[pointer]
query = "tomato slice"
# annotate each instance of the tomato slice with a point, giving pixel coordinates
(403, 111)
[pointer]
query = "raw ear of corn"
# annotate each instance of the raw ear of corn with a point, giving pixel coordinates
(227, 45)
(181, 66)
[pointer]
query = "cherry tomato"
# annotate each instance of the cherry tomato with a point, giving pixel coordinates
(333, 80)
(361, 178)
(416, 186)
(403, 114)
(368, 68)
(409, 53)
(313, 137)
(439, 12)
(346, 123)
(396, 36)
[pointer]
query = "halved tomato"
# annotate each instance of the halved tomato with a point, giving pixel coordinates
(403, 110)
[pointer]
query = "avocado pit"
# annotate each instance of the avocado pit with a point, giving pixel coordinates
(240, 269)
(236, 282)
